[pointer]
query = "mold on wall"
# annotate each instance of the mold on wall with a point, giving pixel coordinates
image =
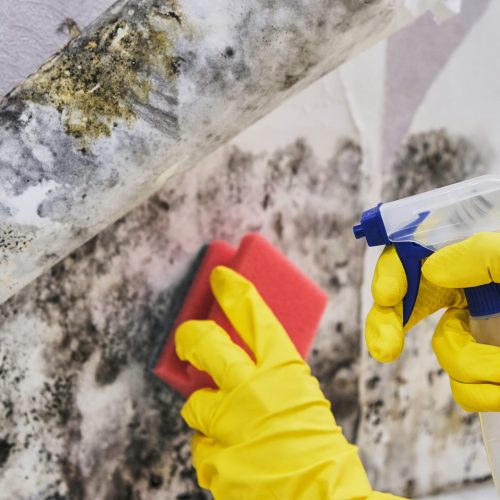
(77, 399)
(145, 92)
(433, 159)
(78, 408)
(103, 77)
(76, 345)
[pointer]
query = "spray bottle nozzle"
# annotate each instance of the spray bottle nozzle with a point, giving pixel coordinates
(359, 231)
(371, 227)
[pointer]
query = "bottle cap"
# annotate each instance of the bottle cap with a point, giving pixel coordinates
(483, 300)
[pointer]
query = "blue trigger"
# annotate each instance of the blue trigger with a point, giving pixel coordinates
(411, 255)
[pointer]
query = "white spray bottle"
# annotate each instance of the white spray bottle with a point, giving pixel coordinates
(422, 224)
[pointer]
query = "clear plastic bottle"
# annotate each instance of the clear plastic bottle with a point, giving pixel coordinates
(446, 215)
(487, 331)
(437, 219)
(432, 221)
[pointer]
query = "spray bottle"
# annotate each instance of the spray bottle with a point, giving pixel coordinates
(422, 224)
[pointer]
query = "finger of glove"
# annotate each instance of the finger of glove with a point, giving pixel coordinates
(200, 409)
(210, 349)
(476, 397)
(204, 449)
(252, 318)
(384, 333)
(472, 262)
(458, 353)
(389, 283)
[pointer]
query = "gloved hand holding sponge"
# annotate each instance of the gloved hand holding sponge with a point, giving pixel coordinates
(473, 367)
(267, 432)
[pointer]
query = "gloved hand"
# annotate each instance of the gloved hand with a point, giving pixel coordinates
(267, 432)
(473, 367)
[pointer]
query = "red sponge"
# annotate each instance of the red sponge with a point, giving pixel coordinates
(295, 300)
(197, 304)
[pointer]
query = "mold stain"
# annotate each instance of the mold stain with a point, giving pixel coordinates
(11, 240)
(5, 447)
(433, 159)
(101, 77)
(121, 320)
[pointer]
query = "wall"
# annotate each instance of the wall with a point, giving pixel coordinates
(32, 31)
(80, 414)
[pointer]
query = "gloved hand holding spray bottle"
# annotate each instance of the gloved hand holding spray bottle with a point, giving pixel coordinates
(420, 225)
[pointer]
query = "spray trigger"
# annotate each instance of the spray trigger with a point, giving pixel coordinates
(411, 255)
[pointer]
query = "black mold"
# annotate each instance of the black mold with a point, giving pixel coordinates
(120, 489)
(155, 481)
(5, 448)
(122, 329)
(11, 240)
(74, 480)
(434, 159)
(108, 369)
(373, 382)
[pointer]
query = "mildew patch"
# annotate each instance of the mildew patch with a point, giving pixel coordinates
(11, 240)
(307, 209)
(111, 430)
(433, 159)
(5, 447)
(100, 78)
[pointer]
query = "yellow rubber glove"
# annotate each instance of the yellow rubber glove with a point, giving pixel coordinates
(384, 331)
(268, 431)
(474, 368)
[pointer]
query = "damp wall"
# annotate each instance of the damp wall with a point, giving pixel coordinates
(77, 407)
